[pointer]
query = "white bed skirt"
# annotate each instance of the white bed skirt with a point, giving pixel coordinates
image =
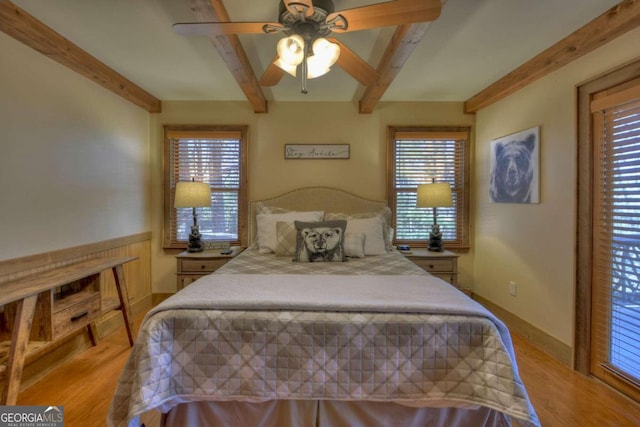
(328, 413)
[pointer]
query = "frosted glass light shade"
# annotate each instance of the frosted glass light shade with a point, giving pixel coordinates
(290, 53)
(325, 54)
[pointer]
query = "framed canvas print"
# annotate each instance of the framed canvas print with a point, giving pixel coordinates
(515, 167)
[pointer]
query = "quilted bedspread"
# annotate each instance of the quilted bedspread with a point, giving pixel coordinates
(412, 339)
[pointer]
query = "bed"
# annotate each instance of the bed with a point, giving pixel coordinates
(370, 340)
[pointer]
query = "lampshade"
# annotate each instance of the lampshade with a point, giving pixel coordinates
(190, 194)
(434, 195)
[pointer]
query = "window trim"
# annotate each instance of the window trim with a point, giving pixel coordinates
(434, 132)
(243, 200)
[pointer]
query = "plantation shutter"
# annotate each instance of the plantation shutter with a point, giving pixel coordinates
(214, 157)
(615, 355)
(419, 157)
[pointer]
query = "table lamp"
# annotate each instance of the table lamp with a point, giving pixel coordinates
(192, 194)
(434, 195)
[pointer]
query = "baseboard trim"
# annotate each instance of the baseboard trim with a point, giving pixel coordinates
(111, 322)
(545, 342)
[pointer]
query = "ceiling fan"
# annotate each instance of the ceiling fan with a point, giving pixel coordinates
(306, 23)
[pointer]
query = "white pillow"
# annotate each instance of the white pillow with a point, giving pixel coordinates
(385, 213)
(266, 227)
(354, 245)
(372, 228)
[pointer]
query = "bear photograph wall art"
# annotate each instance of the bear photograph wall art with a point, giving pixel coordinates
(515, 167)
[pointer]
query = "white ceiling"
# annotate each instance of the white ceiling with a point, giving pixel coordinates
(472, 44)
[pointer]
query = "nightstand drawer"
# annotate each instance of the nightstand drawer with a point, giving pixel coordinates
(198, 265)
(194, 265)
(435, 265)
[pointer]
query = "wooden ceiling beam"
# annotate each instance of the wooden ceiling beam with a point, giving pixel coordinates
(621, 18)
(23, 27)
(402, 44)
(231, 51)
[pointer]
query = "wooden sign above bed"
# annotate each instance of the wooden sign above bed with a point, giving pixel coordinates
(316, 151)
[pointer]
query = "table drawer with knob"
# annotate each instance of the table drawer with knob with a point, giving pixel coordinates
(194, 265)
(202, 265)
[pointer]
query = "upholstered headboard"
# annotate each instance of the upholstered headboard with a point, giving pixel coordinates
(327, 199)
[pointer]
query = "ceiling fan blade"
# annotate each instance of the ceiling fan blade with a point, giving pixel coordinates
(215, 28)
(297, 7)
(355, 66)
(272, 75)
(389, 13)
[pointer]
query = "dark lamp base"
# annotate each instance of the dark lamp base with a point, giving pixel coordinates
(195, 248)
(435, 239)
(195, 244)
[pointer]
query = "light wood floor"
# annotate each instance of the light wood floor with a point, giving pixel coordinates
(560, 396)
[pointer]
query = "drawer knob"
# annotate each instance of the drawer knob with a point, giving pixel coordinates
(430, 265)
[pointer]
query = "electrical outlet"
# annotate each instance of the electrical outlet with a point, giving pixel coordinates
(513, 289)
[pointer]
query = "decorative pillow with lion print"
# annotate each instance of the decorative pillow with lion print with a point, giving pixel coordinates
(320, 241)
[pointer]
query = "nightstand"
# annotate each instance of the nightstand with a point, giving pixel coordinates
(194, 265)
(441, 264)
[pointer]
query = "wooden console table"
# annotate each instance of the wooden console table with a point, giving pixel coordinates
(44, 307)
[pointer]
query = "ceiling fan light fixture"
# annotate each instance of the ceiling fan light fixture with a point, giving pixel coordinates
(307, 22)
(307, 25)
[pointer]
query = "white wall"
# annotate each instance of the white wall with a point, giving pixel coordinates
(534, 245)
(73, 157)
(291, 122)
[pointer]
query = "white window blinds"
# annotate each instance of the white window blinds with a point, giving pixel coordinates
(616, 302)
(214, 157)
(418, 157)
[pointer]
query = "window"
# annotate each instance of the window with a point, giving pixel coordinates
(216, 155)
(608, 269)
(418, 156)
(616, 255)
